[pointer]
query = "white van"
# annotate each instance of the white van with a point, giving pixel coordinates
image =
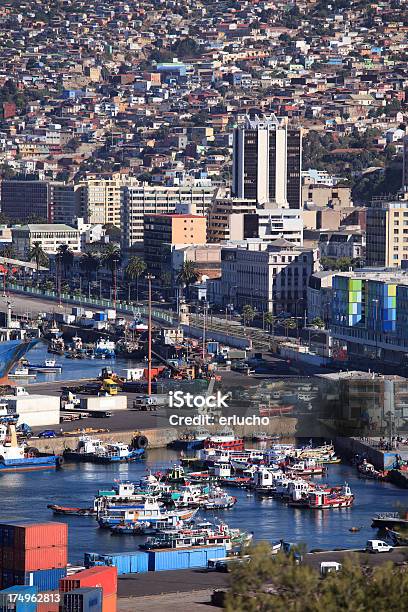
(377, 546)
(329, 566)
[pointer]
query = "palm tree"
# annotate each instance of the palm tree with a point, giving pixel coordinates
(39, 255)
(248, 314)
(112, 258)
(90, 263)
(134, 270)
(65, 257)
(187, 275)
(270, 320)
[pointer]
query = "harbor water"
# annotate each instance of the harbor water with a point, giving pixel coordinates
(25, 495)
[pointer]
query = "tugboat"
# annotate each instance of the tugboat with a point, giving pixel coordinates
(94, 450)
(16, 458)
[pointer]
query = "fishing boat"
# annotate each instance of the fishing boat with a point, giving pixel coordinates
(308, 467)
(150, 511)
(49, 365)
(367, 470)
(322, 499)
(190, 441)
(224, 440)
(201, 534)
(16, 457)
(70, 511)
(21, 372)
(94, 450)
(263, 436)
(104, 348)
(384, 520)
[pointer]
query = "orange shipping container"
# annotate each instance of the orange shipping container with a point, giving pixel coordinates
(102, 576)
(25, 535)
(34, 559)
(48, 607)
(110, 603)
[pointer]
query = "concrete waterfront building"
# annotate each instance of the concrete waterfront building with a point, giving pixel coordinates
(49, 235)
(387, 233)
(144, 199)
(271, 277)
(163, 232)
(267, 161)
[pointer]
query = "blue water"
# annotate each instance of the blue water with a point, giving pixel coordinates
(26, 495)
(72, 369)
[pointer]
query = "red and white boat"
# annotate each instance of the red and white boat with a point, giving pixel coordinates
(321, 499)
(308, 467)
(226, 441)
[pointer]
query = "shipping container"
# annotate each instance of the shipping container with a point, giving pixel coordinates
(52, 606)
(44, 580)
(34, 559)
(18, 599)
(110, 314)
(110, 603)
(183, 558)
(24, 535)
(100, 316)
(83, 600)
(103, 576)
(112, 402)
(126, 563)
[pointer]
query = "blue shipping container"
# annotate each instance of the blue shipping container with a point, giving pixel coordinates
(10, 603)
(184, 558)
(127, 562)
(44, 580)
(84, 599)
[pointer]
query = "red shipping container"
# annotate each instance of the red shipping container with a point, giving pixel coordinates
(110, 603)
(48, 607)
(38, 535)
(102, 576)
(34, 559)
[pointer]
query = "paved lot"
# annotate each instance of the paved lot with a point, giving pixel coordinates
(182, 581)
(197, 601)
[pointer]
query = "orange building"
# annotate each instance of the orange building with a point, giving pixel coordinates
(163, 232)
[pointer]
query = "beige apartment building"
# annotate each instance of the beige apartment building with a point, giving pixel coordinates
(99, 199)
(387, 233)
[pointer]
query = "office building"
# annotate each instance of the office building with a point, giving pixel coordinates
(267, 161)
(144, 199)
(387, 233)
(50, 236)
(268, 224)
(271, 277)
(163, 232)
(46, 200)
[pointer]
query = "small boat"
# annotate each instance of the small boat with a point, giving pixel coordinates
(15, 457)
(49, 365)
(94, 450)
(149, 511)
(263, 436)
(68, 511)
(355, 529)
(391, 520)
(104, 349)
(190, 441)
(224, 440)
(21, 372)
(327, 499)
(367, 470)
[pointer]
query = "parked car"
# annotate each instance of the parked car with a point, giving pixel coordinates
(47, 433)
(378, 546)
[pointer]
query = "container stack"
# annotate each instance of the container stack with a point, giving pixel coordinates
(18, 599)
(126, 563)
(33, 554)
(102, 577)
(85, 599)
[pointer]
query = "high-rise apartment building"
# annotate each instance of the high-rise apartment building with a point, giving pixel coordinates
(267, 161)
(387, 233)
(143, 199)
(99, 198)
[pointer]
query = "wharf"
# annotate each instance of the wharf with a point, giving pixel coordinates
(193, 584)
(369, 449)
